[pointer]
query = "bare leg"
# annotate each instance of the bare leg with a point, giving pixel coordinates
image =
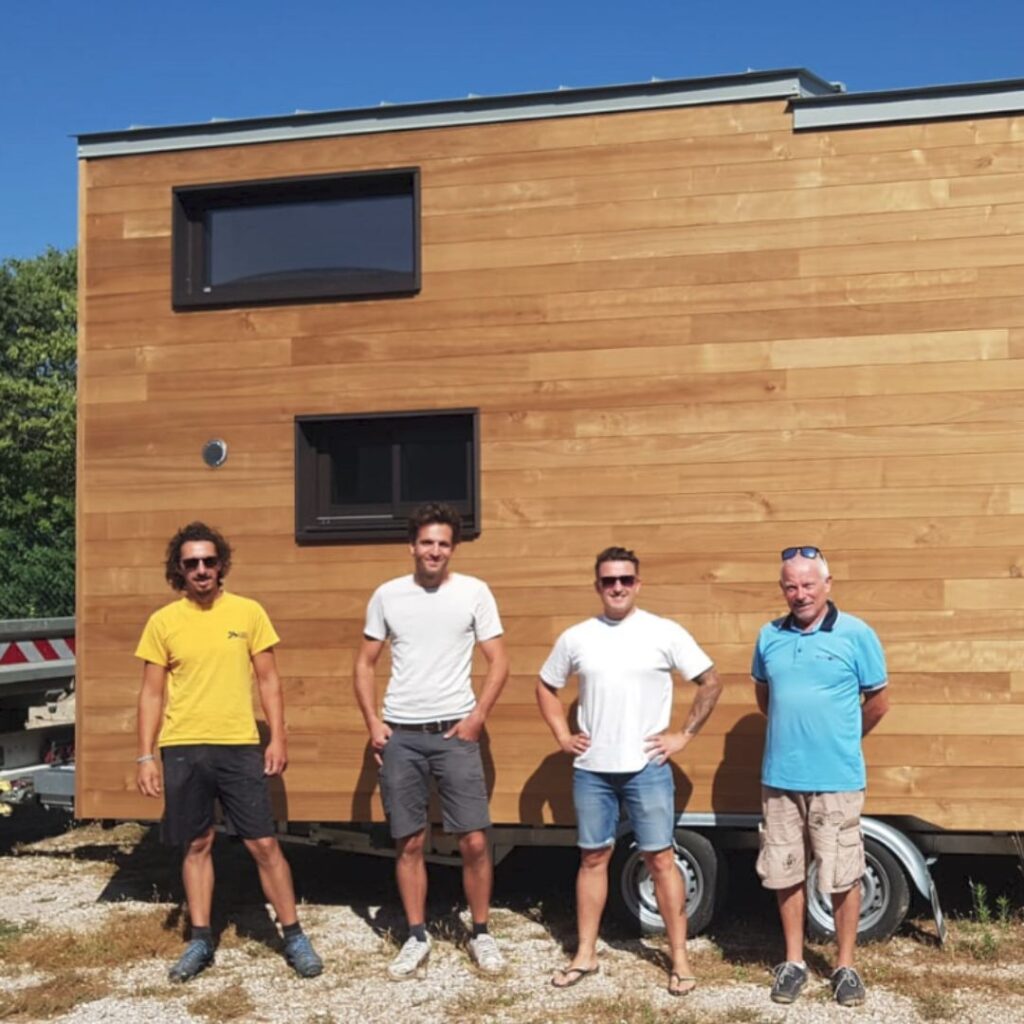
(477, 874)
(792, 908)
(846, 909)
(197, 878)
(411, 875)
(275, 877)
(671, 896)
(591, 896)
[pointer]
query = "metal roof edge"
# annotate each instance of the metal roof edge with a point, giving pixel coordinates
(751, 85)
(929, 103)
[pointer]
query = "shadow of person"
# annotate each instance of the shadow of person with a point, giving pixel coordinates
(736, 787)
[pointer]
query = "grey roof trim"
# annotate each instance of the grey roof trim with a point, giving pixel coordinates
(752, 85)
(927, 104)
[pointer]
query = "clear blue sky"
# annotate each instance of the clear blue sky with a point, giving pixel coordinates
(74, 66)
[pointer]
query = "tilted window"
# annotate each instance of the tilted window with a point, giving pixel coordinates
(359, 477)
(293, 239)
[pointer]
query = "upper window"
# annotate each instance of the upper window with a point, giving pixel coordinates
(342, 236)
(359, 477)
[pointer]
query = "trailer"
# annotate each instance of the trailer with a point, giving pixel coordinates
(704, 318)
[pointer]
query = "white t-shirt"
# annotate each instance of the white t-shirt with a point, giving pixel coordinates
(625, 676)
(432, 634)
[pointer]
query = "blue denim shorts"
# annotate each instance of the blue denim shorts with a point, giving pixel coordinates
(647, 797)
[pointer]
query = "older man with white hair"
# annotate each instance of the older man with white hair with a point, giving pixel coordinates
(820, 678)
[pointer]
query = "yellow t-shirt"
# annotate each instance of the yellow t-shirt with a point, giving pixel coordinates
(208, 657)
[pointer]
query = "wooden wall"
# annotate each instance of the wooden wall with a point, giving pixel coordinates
(689, 331)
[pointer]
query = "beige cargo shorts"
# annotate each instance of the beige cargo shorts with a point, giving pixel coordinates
(824, 825)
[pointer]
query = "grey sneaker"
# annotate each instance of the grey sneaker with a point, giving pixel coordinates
(790, 978)
(302, 957)
(484, 952)
(847, 987)
(411, 958)
(197, 957)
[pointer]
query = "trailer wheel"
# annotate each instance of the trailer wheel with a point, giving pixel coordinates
(885, 898)
(631, 891)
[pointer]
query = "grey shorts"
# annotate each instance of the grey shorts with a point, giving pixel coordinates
(411, 759)
(798, 826)
(197, 774)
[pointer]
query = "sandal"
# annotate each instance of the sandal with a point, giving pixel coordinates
(574, 974)
(675, 979)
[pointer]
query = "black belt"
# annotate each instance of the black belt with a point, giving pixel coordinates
(432, 727)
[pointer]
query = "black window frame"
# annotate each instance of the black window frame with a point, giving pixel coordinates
(313, 524)
(190, 203)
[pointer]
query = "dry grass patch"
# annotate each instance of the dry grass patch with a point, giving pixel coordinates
(123, 938)
(229, 1003)
(59, 994)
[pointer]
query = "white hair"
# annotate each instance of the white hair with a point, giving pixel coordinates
(818, 559)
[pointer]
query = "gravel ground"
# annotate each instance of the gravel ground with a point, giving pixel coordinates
(82, 878)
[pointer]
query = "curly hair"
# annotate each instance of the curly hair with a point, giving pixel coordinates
(195, 531)
(434, 512)
(614, 554)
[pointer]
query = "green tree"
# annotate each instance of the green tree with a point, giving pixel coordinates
(37, 435)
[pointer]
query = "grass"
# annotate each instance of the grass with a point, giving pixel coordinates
(229, 1003)
(59, 994)
(122, 938)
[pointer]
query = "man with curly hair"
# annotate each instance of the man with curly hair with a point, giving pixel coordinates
(201, 653)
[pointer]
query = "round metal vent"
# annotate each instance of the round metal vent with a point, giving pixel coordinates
(215, 453)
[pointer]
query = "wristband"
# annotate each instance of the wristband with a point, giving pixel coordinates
(145, 758)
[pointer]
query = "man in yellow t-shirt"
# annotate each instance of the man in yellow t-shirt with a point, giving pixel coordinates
(201, 654)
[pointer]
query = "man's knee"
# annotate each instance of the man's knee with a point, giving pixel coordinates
(597, 859)
(411, 847)
(201, 845)
(265, 850)
(660, 863)
(473, 846)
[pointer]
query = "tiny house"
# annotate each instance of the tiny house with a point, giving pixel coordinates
(705, 319)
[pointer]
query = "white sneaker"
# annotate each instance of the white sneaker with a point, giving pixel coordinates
(411, 957)
(485, 954)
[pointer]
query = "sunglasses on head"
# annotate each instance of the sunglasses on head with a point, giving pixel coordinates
(209, 561)
(607, 582)
(808, 551)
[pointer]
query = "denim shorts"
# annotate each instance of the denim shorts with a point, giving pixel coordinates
(647, 797)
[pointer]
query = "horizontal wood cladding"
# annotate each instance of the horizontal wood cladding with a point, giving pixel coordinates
(688, 331)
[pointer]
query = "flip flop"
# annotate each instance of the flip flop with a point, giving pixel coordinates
(675, 978)
(574, 974)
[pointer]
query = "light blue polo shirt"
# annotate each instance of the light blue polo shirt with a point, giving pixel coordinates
(815, 681)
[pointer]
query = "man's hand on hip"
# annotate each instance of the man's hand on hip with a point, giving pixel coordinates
(576, 744)
(661, 746)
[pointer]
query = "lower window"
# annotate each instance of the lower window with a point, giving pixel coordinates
(360, 477)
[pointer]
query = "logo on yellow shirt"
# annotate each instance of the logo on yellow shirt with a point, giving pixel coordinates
(237, 635)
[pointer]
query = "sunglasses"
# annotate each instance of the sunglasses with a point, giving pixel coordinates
(209, 562)
(607, 582)
(807, 551)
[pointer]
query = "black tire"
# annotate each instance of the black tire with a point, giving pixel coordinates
(631, 892)
(885, 898)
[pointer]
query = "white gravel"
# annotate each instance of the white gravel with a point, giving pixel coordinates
(48, 888)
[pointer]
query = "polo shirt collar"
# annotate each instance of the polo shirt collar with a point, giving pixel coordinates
(825, 626)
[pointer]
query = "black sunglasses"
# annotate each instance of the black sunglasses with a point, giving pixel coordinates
(210, 562)
(607, 582)
(808, 551)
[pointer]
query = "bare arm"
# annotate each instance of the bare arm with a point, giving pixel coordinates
(275, 757)
(873, 709)
(496, 654)
(366, 693)
(663, 745)
(151, 708)
(761, 693)
(553, 712)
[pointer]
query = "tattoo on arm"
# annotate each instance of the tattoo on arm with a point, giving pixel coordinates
(709, 690)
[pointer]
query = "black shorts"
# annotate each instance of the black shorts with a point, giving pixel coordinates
(197, 774)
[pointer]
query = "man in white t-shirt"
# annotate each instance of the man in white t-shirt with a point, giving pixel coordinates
(624, 659)
(431, 721)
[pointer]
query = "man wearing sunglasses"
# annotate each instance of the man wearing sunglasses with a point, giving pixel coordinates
(201, 653)
(624, 660)
(820, 678)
